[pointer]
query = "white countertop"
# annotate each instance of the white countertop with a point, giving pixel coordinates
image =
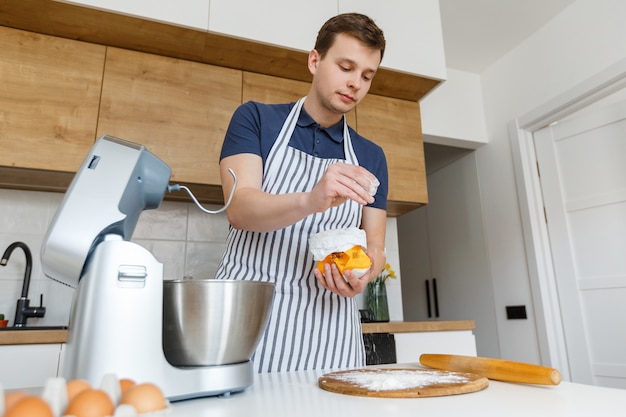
(292, 394)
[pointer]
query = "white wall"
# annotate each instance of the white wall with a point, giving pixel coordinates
(184, 239)
(187, 242)
(580, 42)
(25, 216)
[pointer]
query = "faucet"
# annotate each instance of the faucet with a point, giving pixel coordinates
(23, 310)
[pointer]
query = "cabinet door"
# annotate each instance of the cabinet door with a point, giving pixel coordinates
(178, 109)
(26, 366)
(291, 24)
(48, 100)
(395, 125)
(409, 346)
(431, 241)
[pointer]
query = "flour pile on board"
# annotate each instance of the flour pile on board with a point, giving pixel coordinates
(399, 379)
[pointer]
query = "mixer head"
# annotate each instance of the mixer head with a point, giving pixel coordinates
(115, 183)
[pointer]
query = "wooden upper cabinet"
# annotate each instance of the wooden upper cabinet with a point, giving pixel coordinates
(49, 95)
(395, 125)
(272, 90)
(276, 90)
(58, 95)
(178, 109)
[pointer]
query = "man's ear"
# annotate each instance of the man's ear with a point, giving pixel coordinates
(314, 59)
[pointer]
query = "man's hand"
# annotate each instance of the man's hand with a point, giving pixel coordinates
(343, 182)
(333, 281)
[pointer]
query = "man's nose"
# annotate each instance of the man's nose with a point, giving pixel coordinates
(355, 82)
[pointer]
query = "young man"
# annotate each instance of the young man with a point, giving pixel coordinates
(302, 170)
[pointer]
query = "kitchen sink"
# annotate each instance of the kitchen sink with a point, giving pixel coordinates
(35, 328)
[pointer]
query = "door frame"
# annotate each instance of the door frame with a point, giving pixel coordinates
(550, 327)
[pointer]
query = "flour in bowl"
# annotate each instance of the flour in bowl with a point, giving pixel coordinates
(399, 379)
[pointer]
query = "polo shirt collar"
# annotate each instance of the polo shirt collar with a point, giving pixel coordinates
(335, 131)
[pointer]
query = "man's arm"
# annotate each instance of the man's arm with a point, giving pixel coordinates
(374, 223)
(255, 210)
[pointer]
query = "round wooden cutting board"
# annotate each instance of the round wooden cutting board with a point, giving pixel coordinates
(401, 383)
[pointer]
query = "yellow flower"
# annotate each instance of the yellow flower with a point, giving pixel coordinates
(386, 273)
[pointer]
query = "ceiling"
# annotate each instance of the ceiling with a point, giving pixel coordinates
(478, 32)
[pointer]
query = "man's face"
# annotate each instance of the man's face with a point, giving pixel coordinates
(344, 76)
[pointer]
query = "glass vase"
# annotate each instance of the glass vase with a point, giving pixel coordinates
(376, 299)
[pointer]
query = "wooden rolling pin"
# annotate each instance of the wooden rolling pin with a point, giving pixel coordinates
(497, 369)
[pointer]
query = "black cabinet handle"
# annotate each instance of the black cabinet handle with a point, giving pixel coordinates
(435, 297)
(428, 297)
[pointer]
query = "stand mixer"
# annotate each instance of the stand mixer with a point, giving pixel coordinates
(117, 313)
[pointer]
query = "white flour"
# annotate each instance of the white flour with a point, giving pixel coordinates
(398, 379)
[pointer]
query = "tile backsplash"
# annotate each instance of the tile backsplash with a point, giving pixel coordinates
(184, 239)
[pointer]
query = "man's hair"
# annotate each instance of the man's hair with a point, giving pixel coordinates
(356, 25)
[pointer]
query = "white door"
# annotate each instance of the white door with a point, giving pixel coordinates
(582, 164)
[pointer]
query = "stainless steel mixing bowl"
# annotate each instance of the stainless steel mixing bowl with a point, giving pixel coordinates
(213, 322)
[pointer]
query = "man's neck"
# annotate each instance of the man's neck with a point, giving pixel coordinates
(322, 116)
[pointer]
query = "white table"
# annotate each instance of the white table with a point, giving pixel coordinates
(292, 394)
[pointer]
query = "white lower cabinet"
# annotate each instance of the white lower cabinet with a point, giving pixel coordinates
(27, 366)
(409, 346)
(30, 365)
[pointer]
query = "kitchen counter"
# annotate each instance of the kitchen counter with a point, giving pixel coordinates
(37, 336)
(418, 326)
(297, 394)
(32, 336)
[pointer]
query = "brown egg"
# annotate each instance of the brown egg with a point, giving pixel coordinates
(75, 387)
(29, 406)
(145, 398)
(91, 403)
(12, 397)
(125, 384)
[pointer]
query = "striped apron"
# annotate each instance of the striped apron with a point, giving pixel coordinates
(309, 327)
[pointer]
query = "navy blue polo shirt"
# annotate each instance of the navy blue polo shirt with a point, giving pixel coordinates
(254, 128)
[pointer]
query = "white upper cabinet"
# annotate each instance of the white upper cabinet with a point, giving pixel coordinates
(412, 28)
(453, 113)
(288, 23)
(189, 13)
